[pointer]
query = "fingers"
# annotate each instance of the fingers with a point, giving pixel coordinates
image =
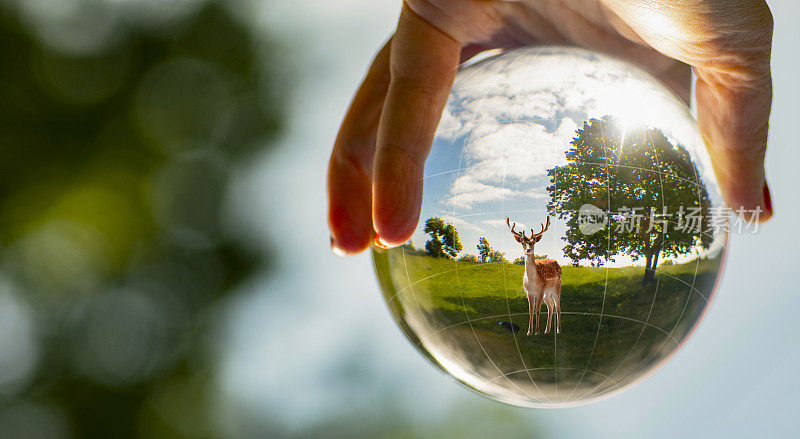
(350, 167)
(728, 42)
(734, 99)
(423, 62)
(734, 121)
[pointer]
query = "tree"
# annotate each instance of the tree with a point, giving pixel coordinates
(484, 249)
(496, 256)
(487, 254)
(469, 258)
(625, 173)
(444, 238)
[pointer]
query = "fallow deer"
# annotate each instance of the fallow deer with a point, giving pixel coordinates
(541, 281)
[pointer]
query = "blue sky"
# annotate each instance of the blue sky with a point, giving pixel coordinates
(511, 117)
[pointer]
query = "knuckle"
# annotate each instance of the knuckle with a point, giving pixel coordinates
(739, 42)
(346, 160)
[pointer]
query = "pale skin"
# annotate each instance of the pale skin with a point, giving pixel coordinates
(375, 173)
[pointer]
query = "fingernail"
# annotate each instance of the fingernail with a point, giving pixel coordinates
(336, 250)
(767, 201)
(380, 243)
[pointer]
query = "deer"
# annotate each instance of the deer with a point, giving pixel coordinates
(541, 280)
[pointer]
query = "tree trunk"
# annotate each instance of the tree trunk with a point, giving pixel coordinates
(652, 264)
(648, 268)
(653, 251)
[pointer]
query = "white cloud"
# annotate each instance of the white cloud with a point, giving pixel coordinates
(462, 224)
(502, 160)
(467, 191)
(500, 224)
(517, 114)
(519, 151)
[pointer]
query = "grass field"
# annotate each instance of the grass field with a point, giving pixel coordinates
(614, 327)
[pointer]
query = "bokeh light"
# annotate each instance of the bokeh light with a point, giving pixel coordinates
(123, 125)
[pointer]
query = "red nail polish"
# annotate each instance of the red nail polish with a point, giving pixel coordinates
(379, 242)
(336, 250)
(767, 199)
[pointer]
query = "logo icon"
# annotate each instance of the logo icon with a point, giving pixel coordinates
(591, 219)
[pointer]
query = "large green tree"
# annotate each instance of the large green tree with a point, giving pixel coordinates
(629, 173)
(444, 240)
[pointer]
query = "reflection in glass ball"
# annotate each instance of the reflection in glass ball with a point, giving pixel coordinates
(563, 181)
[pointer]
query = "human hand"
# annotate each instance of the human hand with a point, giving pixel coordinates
(376, 168)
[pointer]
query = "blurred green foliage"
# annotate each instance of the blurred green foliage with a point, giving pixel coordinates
(116, 160)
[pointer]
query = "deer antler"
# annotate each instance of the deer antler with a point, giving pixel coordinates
(544, 227)
(514, 232)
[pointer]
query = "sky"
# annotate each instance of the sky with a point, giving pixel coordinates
(292, 335)
(483, 168)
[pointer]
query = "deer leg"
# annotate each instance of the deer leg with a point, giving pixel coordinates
(558, 318)
(530, 315)
(557, 299)
(549, 301)
(538, 306)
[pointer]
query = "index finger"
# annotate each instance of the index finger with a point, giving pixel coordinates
(423, 65)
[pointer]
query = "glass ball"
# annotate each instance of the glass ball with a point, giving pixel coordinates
(571, 233)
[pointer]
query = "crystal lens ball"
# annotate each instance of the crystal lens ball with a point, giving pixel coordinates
(571, 234)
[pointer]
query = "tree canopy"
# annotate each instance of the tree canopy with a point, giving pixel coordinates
(634, 175)
(496, 256)
(444, 240)
(484, 249)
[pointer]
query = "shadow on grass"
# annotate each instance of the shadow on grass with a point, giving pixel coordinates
(615, 328)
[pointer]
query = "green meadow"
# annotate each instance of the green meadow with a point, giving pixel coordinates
(614, 326)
